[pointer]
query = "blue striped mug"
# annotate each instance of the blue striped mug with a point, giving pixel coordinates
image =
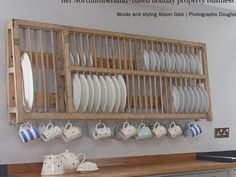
(195, 130)
(28, 133)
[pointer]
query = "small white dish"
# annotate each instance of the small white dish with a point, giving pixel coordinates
(153, 60)
(196, 101)
(187, 100)
(192, 64)
(76, 86)
(162, 61)
(111, 94)
(168, 62)
(146, 60)
(192, 100)
(103, 104)
(175, 95)
(158, 62)
(183, 62)
(181, 99)
(206, 107)
(84, 93)
(91, 60)
(97, 93)
(123, 93)
(177, 63)
(173, 61)
(117, 94)
(91, 93)
(198, 64)
(87, 167)
(84, 61)
(202, 102)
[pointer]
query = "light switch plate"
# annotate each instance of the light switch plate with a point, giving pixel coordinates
(222, 132)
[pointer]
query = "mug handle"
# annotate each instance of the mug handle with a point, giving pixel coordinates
(41, 125)
(141, 125)
(68, 126)
(172, 124)
(83, 155)
(125, 125)
(157, 124)
(49, 126)
(103, 125)
(28, 125)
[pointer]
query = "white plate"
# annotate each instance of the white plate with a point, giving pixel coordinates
(173, 61)
(177, 63)
(28, 83)
(146, 60)
(183, 62)
(188, 67)
(72, 60)
(175, 95)
(197, 62)
(158, 62)
(76, 91)
(153, 60)
(111, 94)
(123, 93)
(202, 102)
(84, 93)
(103, 85)
(192, 99)
(91, 60)
(192, 64)
(84, 61)
(91, 93)
(186, 100)
(118, 93)
(206, 107)
(181, 99)
(168, 62)
(162, 60)
(197, 100)
(78, 59)
(97, 93)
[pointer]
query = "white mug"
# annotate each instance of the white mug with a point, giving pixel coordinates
(127, 131)
(71, 132)
(159, 130)
(101, 131)
(174, 130)
(143, 132)
(51, 132)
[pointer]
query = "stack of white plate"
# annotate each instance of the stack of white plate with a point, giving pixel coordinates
(171, 62)
(92, 93)
(76, 60)
(190, 99)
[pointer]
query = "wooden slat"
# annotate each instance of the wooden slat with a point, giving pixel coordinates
(54, 71)
(43, 70)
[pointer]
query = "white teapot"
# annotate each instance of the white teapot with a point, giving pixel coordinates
(53, 165)
(72, 160)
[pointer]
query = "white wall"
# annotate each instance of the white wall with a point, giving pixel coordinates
(218, 33)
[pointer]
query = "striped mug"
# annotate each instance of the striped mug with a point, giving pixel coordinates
(194, 130)
(28, 133)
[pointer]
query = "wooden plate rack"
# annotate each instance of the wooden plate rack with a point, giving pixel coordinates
(49, 48)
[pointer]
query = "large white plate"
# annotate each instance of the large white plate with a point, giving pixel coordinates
(202, 102)
(158, 62)
(173, 61)
(76, 91)
(118, 94)
(181, 99)
(91, 93)
(103, 103)
(168, 62)
(186, 100)
(175, 95)
(153, 60)
(196, 101)
(162, 60)
(84, 93)
(111, 94)
(28, 83)
(192, 99)
(97, 93)
(177, 63)
(123, 93)
(206, 107)
(146, 60)
(192, 64)
(183, 62)
(198, 64)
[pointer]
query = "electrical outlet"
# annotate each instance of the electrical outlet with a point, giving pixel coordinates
(221, 132)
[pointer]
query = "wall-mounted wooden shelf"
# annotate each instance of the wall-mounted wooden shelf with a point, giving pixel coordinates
(49, 47)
